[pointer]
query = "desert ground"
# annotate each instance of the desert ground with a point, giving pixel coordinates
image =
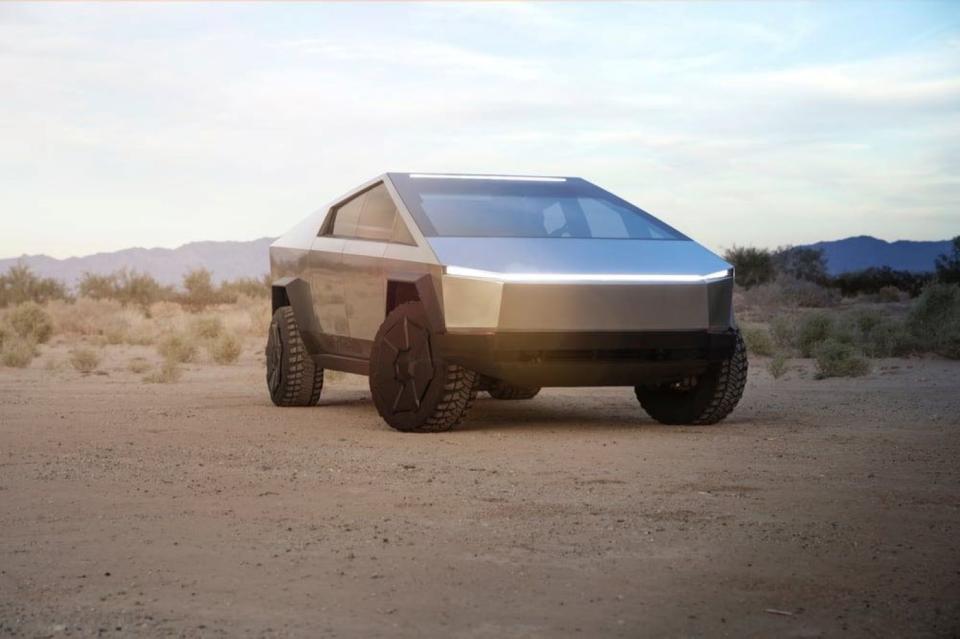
(198, 509)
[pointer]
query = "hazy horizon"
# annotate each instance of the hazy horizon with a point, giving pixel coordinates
(156, 125)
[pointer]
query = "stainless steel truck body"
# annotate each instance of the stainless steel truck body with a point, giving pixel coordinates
(437, 286)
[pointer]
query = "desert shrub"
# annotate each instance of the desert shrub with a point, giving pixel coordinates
(795, 292)
(125, 286)
(245, 287)
(783, 330)
(778, 365)
(869, 281)
(198, 290)
(177, 348)
(888, 294)
(30, 321)
(758, 339)
(17, 352)
(839, 359)
(85, 360)
(812, 330)
(948, 264)
(138, 365)
(934, 320)
(752, 266)
(19, 284)
(224, 349)
(877, 334)
(801, 263)
(206, 327)
(168, 373)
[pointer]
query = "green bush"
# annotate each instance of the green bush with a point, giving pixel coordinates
(757, 339)
(31, 322)
(784, 331)
(752, 266)
(812, 330)
(177, 348)
(17, 352)
(839, 359)
(934, 320)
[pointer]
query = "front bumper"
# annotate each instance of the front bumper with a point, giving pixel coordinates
(587, 358)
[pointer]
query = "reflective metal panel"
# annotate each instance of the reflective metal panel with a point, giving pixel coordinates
(364, 287)
(470, 303)
(610, 307)
(568, 255)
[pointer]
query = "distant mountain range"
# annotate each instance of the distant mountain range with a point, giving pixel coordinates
(863, 251)
(230, 260)
(225, 260)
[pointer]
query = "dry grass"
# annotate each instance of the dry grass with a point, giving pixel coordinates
(85, 360)
(168, 373)
(778, 365)
(178, 347)
(31, 322)
(138, 365)
(225, 349)
(17, 352)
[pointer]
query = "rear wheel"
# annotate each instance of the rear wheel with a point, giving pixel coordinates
(703, 399)
(413, 388)
(293, 378)
(502, 390)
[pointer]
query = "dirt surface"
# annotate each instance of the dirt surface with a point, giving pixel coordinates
(820, 508)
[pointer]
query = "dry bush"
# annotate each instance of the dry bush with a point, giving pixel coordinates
(225, 349)
(5, 334)
(138, 365)
(85, 360)
(778, 365)
(245, 287)
(19, 284)
(888, 294)
(178, 348)
(757, 339)
(168, 373)
(839, 359)
(31, 322)
(17, 352)
(206, 327)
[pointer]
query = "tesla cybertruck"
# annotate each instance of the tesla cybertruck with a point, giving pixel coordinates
(440, 286)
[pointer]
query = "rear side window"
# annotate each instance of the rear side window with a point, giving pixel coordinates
(370, 215)
(378, 215)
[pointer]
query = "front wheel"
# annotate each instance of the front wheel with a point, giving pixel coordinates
(293, 378)
(702, 399)
(413, 388)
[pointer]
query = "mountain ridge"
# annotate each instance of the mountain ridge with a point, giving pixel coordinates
(228, 260)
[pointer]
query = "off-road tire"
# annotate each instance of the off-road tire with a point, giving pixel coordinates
(413, 388)
(502, 390)
(704, 399)
(293, 378)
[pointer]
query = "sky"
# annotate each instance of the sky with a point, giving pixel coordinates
(151, 124)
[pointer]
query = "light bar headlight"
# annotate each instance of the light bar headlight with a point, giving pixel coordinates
(544, 278)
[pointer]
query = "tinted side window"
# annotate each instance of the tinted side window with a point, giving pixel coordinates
(378, 215)
(347, 215)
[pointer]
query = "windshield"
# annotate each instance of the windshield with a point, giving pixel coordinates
(556, 207)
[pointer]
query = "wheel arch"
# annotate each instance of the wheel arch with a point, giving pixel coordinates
(416, 287)
(295, 293)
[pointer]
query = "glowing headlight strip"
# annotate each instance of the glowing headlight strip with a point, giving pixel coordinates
(585, 277)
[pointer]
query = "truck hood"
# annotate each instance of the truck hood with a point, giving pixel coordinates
(575, 256)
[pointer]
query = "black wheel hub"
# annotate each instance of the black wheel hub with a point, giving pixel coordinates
(406, 364)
